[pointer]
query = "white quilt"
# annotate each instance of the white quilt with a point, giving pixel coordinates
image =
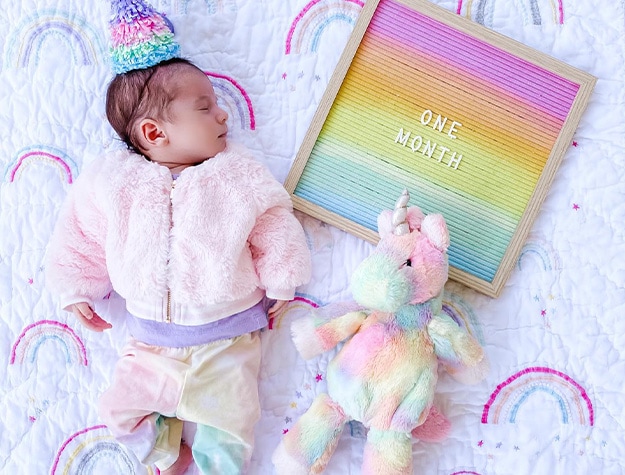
(553, 402)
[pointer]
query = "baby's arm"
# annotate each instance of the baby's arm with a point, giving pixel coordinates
(75, 262)
(279, 249)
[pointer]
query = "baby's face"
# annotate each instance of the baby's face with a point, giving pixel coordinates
(196, 127)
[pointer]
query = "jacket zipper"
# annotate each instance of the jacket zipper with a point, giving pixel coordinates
(171, 225)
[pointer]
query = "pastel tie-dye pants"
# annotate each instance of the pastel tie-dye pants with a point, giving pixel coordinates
(213, 385)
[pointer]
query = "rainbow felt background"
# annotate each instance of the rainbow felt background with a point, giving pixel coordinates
(511, 111)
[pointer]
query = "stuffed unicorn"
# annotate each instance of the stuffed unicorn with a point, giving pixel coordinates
(386, 372)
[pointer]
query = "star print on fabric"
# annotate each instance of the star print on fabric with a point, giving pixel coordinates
(287, 420)
(480, 443)
(576, 206)
(499, 444)
(298, 395)
(319, 377)
(283, 75)
(284, 431)
(543, 312)
(294, 405)
(575, 143)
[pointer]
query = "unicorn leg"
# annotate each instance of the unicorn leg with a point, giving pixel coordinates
(309, 444)
(387, 452)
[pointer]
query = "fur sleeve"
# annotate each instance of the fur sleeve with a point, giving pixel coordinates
(277, 240)
(75, 260)
(280, 253)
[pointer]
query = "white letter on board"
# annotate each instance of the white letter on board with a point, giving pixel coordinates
(414, 141)
(401, 138)
(426, 113)
(454, 161)
(440, 122)
(428, 149)
(443, 150)
(452, 129)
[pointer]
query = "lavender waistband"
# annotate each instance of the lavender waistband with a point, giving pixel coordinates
(179, 336)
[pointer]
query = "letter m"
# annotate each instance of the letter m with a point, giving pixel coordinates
(401, 138)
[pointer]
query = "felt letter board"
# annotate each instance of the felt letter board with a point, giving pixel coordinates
(472, 123)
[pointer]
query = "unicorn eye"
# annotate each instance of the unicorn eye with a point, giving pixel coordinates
(408, 263)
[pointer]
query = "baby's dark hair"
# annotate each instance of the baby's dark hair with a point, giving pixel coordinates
(139, 94)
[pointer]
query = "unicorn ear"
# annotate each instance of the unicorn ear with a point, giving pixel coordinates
(415, 218)
(434, 228)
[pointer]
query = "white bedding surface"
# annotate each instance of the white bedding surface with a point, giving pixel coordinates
(553, 401)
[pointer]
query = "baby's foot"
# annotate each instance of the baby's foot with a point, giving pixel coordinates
(185, 457)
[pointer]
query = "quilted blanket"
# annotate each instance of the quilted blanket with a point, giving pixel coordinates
(553, 400)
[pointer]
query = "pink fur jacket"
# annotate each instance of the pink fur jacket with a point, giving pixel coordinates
(192, 251)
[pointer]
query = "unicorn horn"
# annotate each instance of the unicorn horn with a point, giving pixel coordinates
(399, 215)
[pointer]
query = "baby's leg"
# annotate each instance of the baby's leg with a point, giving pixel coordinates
(216, 451)
(221, 395)
(146, 387)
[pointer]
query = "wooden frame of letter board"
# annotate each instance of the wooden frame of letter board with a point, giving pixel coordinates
(336, 218)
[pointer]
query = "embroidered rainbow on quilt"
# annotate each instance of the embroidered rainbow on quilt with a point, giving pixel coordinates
(140, 36)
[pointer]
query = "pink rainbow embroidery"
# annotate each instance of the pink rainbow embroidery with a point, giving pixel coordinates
(27, 40)
(82, 451)
(28, 156)
(35, 335)
(300, 301)
(307, 299)
(312, 20)
(532, 16)
(235, 97)
(509, 396)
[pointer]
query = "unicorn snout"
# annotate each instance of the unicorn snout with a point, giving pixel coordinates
(376, 283)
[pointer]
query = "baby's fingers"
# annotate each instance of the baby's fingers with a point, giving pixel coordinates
(89, 318)
(98, 324)
(82, 310)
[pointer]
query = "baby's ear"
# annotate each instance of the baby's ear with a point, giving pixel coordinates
(434, 228)
(151, 133)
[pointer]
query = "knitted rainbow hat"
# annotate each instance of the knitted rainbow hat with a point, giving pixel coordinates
(140, 36)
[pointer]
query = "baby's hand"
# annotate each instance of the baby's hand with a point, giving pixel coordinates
(276, 307)
(85, 315)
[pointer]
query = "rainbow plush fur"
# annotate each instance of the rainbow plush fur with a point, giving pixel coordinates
(386, 373)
